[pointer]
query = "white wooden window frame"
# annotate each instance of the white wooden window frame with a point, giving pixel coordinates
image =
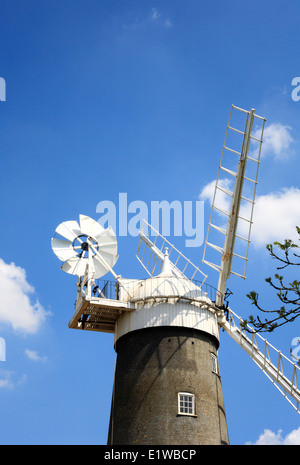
(214, 363)
(189, 398)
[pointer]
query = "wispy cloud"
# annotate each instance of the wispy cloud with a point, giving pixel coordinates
(9, 379)
(157, 17)
(34, 355)
(133, 21)
(16, 306)
(269, 438)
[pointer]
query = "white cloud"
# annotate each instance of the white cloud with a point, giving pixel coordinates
(275, 217)
(8, 379)
(277, 141)
(268, 438)
(16, 307)
(33, 355)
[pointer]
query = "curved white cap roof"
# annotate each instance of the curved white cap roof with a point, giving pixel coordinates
(166, 284)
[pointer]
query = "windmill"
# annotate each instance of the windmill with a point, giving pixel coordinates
(167, 387)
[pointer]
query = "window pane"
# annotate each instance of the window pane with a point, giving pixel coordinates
(186, 404)
(214, 363)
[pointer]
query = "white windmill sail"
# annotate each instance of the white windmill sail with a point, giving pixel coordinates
(280, 370)
(229, 228)
(150, 254)
(229, 231)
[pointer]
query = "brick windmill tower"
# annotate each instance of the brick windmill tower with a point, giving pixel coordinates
(167, 387)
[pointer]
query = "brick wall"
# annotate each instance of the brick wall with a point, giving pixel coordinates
(153, 365)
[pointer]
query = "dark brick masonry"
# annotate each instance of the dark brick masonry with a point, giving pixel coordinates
(153, 365)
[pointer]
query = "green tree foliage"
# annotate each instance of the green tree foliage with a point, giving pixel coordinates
(288, 293)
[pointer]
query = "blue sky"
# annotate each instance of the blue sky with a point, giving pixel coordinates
(109, 97)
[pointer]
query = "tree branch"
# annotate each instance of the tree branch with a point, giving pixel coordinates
(287, 294)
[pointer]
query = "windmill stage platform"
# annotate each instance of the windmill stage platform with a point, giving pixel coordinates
(98, 314)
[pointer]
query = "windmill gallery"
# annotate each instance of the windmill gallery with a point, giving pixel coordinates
(167, 387)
